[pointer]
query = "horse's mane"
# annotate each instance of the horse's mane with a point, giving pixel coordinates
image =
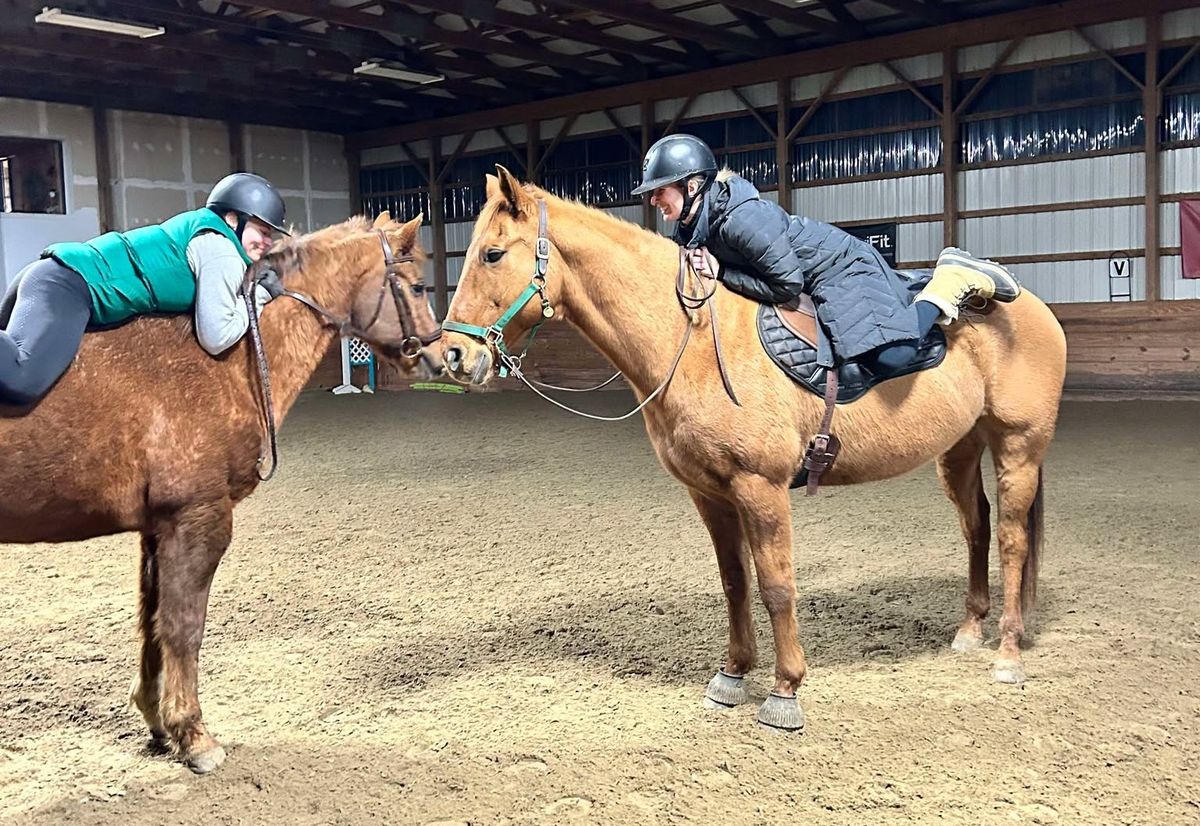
(608, 223)
(289, 255)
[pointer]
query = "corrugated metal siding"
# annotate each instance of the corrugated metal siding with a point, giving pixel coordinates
(1168, 224)
(632, 214)
(1069, 281)
(458, 235)
(454, 268)
(1181, 170)
(1083, 179)
(918, 242)
(1078, 230)
(1180, 24)
(864, 200)
(1173, 285)
(1116, 35)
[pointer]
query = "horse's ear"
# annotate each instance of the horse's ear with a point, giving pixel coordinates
(519, 201)
(382, 220)
(408, 232)
(493, 187)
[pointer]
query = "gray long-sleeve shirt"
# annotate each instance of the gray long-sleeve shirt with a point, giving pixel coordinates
(221, 317)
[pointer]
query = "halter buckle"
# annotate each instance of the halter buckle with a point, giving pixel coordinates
(543, 248)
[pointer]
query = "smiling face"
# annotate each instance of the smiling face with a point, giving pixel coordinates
(669, 199)
(257, 237)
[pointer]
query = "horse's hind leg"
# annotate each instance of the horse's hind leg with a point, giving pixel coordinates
(147, 685)
(1018, 459)
(725, 690)
(959, 470)
(190, 547)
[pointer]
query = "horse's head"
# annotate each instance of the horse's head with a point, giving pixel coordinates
(502, 293)
(365, 280)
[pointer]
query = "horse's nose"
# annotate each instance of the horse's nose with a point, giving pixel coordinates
(454, 359)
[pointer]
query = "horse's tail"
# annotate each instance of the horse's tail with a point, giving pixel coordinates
(1034, 535)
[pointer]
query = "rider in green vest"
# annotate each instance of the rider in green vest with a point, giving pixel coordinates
(195, 261)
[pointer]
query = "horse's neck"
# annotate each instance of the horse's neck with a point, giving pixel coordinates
(295, 337)
(621, 296)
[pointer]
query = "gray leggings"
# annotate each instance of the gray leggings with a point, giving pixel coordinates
(43, 316)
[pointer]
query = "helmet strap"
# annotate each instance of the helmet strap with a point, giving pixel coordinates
(689, 201)
(241, 225)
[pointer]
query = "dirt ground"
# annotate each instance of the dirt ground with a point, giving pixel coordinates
(477, 609)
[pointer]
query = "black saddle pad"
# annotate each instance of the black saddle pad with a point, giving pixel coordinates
(798, 359)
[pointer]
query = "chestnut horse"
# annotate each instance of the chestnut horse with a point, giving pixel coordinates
(146, 432)
(998, 387)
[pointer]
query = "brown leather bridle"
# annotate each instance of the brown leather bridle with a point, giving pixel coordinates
(411, 345)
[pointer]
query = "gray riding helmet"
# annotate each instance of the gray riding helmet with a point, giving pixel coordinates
(250, 196)
(676, 158)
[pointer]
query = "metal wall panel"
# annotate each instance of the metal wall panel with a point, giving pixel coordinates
(1082, 179)
(1078, 230)
(1174, 285)
(1181, 24)
(918, 242)
(882, 199)
(1116, 35)
(458, 235)
(1064, 282)
(1181, 170)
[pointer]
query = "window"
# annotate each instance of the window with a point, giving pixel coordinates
(31, 176)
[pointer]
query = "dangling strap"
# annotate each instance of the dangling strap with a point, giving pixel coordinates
(823, 449)
(264, 374)
(699, 264)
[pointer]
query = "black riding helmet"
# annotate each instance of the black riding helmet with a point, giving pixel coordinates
(674, 159)
(250, 196)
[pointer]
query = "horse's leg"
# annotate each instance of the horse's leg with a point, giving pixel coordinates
(1019, 529)
(725, 690)
(958, 468)
(147, 685)
(765, 512)
(190, 547)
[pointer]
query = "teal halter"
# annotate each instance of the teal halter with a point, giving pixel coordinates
(493, 336)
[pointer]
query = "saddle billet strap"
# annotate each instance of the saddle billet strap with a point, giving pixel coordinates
(822, 451)
(696, 259)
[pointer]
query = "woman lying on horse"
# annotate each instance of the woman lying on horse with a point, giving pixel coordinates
(761, 251)
(194, 261)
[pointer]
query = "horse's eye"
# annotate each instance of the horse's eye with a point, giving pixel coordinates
(493, 256)
(418, 289)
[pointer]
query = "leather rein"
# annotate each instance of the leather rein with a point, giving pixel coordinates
(410, 346)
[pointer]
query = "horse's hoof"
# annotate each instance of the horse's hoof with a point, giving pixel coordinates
(965, 642)
(781, 713)
(206, 761)
(724, 691)
(1008, 671)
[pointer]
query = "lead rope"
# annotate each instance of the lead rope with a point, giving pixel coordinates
(264, 375)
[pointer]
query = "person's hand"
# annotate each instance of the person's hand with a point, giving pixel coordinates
(271, 283)
(705, 263)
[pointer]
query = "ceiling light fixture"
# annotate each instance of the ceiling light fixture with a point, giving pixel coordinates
(380, 68)
(58, 17)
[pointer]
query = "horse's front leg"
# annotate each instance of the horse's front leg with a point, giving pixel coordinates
(765, 511)
(725, 690)
(190, 546)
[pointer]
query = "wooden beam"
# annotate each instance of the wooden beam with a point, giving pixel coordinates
(415, 26)
(623, 131)
(1151, 108)
(988, 75)
(972, 32)
(798, 17)
(925, 11)
(647, 123)
(437, 228)
(415, 161)
(912, 87)
(687, 104)
(1107, 55)
(562, 133)
(1178, 67)
(512, 148)
(533, 142)
(672, 25)
(949, 149)
(104, 178)
(463, 142)
(237, 145)
(783, 147)
(750, 108)
(809, 112)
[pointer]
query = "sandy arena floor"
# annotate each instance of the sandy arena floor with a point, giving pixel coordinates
(477, 609)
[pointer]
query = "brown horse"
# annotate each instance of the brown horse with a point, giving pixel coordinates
(999, 387)
(146, 432)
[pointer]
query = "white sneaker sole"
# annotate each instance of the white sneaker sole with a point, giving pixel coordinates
(999, 274)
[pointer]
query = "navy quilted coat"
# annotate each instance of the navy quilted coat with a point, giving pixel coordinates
(771, 256)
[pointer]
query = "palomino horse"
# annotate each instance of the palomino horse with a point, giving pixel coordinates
(146, 432)
(998, 387)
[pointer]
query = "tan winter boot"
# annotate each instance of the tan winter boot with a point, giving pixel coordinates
(959, 278)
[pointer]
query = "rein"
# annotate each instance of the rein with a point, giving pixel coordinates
(509, 364)
(410, 345)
